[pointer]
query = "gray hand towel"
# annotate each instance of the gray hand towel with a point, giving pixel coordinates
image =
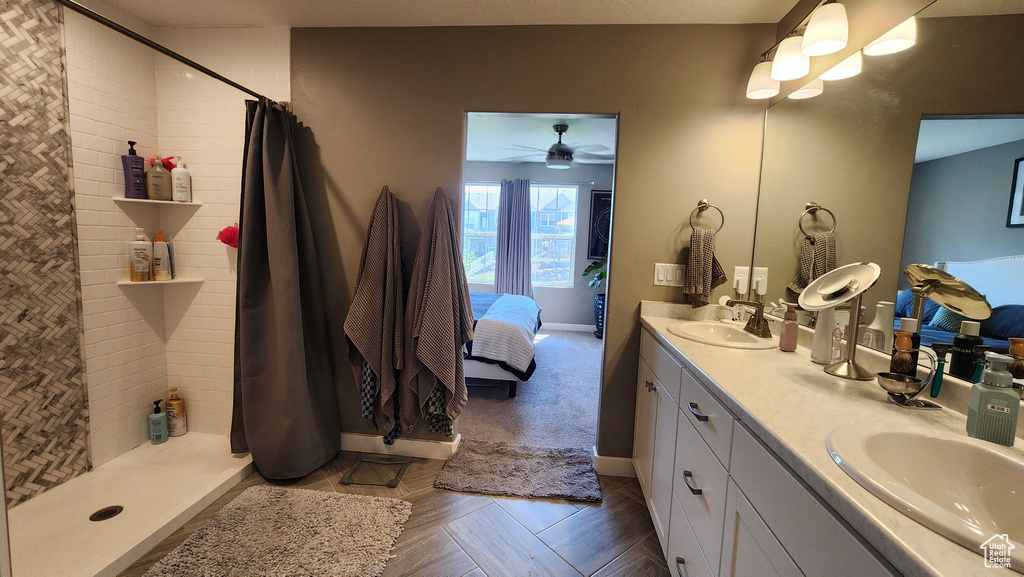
(703, 271)
(438, 318)
(817, 257)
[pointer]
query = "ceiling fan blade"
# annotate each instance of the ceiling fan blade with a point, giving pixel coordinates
(589, 156)
(526, 158)
(586, 147)
(527, 148)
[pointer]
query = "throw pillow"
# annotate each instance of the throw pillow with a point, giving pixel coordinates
(947, 320)
(1006, 321)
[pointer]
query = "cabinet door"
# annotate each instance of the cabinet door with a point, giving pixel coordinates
(664, 461)
(643, 430)
(749, 549)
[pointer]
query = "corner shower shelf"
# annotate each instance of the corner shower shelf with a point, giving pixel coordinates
(138, 201)
(160, 282)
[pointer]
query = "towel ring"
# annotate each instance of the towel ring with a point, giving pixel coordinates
(701, 207)
(812, 209)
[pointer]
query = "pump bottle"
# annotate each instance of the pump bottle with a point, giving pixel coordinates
(157, 424)
(992, 413)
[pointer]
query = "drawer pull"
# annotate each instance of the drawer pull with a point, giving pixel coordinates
(679, 566)
(687, 475)
(693, 409)
(651, 387)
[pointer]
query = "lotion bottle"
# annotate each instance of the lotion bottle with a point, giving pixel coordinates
(181, 183)
(158, 182)
(176, 421)
(992, 413)
(161, 258)
(140, 255)
(134, 173)
(790, 329)
(157, 424)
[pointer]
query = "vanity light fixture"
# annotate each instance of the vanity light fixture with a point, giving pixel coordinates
(827, 31)
(899, 38)
(790, 63)
(809, 90)
(761, 85)
(850, 66)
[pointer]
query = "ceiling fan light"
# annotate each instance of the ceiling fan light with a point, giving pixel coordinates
(851, 66)
(827, 31)
(790, 63)
(809, 90)
(761, 85)
(559, 162)
(899, 38)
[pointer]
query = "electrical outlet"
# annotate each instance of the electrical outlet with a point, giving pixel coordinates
(668, 274)
(759, 281)
(740, 279)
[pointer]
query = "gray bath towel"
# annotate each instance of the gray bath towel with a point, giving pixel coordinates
(703, 271)
(817, 257)
(375, 321)
(438, 318)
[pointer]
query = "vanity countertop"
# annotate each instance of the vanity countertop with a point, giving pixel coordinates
(792, 405)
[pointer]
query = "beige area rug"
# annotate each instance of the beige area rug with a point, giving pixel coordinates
(557, 407)
(272, 531)
(520, 471)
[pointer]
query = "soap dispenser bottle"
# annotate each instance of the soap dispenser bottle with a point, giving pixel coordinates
(790, 329)
(134, 173)
(157, 424)
(992, 413)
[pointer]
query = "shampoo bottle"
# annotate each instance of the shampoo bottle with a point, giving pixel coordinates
(140, 255)
(790, 329)
(181, 182)
(157, 424)
(134, 173)
(158, 182)
(961, 363)
(992, 413)
(161, 258)
(176, 422)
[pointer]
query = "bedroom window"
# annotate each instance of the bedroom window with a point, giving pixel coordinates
(552, 232)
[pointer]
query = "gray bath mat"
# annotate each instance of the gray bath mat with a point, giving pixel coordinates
(520, 471)
(273, 531)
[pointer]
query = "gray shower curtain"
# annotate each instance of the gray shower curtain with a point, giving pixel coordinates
(512, 254)
(285, 410)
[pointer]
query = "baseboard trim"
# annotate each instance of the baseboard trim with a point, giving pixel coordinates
(613, 466)
(569, 327)
(404, 447)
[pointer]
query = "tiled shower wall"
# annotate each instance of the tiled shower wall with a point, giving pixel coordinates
(42, 380)
(142, 339)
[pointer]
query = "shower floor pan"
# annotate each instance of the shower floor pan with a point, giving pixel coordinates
(160, 487)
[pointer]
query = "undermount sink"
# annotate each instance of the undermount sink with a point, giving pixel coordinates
(721, 334)
(967, 490)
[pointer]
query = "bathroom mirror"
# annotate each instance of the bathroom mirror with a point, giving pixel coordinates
(852, 151)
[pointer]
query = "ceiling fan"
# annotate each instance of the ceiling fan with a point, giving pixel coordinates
(561, 155)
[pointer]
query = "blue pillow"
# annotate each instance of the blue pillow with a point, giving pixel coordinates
(947, 320)
(905, 306)
(1006, 321)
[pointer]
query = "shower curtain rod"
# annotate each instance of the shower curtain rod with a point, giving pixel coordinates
(88, 13)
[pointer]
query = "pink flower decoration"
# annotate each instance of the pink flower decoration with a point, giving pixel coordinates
(229, 235)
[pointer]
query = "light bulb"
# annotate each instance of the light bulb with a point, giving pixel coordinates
(899, 38)
(790, 63)
(851, 66)
(761, 85)
(827, 31)
(809, 90)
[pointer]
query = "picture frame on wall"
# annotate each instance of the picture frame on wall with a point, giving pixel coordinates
(1015, 217)
(600, 223)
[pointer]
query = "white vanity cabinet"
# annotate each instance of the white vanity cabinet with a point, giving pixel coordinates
(722, 502)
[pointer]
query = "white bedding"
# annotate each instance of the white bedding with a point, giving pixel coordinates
(505, 333)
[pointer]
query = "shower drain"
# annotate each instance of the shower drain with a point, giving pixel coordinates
(106, 513)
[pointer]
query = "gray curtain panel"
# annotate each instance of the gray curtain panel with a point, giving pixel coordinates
(285, 409)
(512, 258)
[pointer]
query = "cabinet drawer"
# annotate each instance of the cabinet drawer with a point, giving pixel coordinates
(664, 365)
(814, 536)
(697, 465)
(707, 415)
(684, 556)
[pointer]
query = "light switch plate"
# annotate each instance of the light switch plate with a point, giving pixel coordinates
(666, 274)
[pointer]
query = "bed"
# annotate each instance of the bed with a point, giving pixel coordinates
(501, 352)
(1000, 279)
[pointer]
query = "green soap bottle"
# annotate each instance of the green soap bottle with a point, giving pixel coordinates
(157, 424)
(992, 413)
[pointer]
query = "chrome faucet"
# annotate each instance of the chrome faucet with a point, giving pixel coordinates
(757, 325)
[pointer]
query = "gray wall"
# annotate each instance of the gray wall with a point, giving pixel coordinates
(561, 305)
(388, 105)
(975, 187)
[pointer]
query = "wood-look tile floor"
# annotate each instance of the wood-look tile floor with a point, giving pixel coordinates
(469, 535)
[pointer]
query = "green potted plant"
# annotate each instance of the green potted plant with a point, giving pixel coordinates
(599, 268)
